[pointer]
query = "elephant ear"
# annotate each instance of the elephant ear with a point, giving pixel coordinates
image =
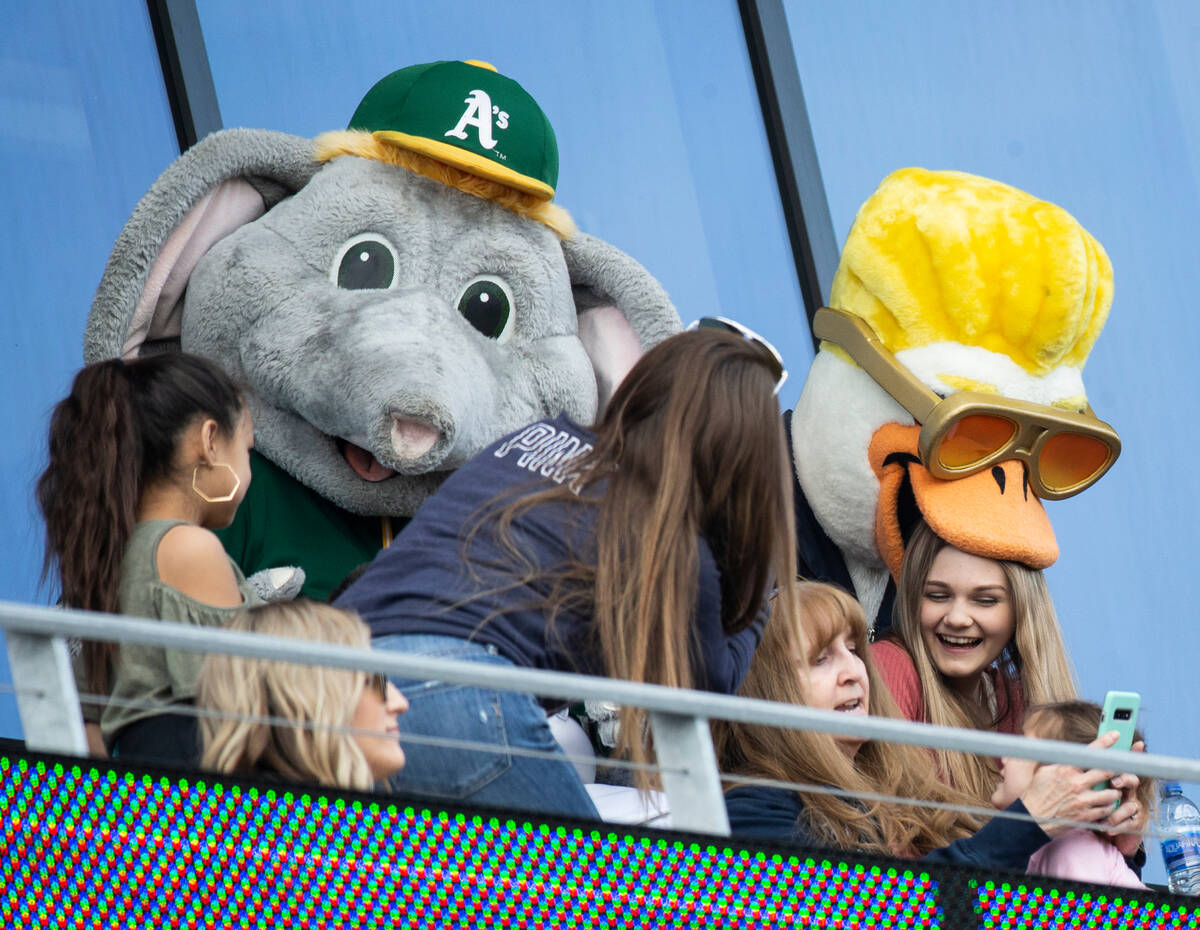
(622, 309)
(223, 182)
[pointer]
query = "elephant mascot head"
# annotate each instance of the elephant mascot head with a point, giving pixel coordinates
(394, 297)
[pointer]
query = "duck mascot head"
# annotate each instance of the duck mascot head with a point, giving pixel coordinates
(949, 380)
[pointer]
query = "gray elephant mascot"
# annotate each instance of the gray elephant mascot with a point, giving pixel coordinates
(394, 297)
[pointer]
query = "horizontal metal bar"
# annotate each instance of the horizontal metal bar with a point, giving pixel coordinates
(208, 713)
(7, 687)
(561, 685)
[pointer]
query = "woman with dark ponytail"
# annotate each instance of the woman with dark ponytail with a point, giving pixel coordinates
(147, 458)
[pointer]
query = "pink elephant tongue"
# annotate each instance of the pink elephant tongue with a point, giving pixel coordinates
(365, 465)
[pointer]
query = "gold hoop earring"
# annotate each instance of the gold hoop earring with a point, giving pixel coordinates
(224, 498)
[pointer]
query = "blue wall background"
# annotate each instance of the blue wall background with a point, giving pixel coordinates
(84, 129)
(1091, 105)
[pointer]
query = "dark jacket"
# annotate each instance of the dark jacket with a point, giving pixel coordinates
(774, 813)
(423, 583)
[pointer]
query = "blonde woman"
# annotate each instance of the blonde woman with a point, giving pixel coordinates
(835, 672)
(974, 642)
(343, 731)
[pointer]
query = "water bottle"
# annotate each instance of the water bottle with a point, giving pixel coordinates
(1179, 825)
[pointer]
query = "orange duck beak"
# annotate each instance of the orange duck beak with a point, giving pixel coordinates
(992, 513)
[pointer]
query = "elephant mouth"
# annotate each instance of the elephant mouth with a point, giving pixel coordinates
(411, 440)
(363, 463)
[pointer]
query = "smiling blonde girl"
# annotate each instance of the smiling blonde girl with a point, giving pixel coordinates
(975, 640)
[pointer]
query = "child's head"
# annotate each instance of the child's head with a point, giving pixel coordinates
(1069, 722)
(321, 700)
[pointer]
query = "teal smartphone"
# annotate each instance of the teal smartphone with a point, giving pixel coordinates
(1120, 713)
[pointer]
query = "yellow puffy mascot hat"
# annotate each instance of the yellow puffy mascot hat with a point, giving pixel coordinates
(944, 256)
(968, 287)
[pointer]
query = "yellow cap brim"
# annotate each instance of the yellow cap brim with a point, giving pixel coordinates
(467, 161)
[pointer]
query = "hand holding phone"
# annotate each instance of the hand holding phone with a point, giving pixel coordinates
(1120, 713)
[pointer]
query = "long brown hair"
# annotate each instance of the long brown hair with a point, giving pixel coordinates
(1035, 662)
(113, 436)
(690, 446)
(777, 674)
(320, 701)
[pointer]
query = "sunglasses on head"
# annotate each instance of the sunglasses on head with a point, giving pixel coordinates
(770, 354)
(967, 432)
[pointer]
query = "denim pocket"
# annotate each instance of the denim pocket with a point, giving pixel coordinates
(452, 712)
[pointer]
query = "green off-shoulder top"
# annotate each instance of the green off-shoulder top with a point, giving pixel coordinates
(156, 679)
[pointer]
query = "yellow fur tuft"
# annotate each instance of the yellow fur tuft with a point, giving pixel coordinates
(330, 145)
(943, 256)
(1074, 404)
(960, 383)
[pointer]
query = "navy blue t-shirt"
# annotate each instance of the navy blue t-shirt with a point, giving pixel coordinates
(431, 580)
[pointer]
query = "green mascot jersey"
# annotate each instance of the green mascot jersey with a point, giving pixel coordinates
(281, 522)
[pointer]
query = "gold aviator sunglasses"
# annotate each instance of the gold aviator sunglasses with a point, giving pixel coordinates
(1064, 452)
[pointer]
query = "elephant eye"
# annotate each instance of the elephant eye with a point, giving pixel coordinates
(366, 262)
(488, 305)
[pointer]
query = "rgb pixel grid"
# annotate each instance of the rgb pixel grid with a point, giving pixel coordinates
(87, 844)
(1031, 906)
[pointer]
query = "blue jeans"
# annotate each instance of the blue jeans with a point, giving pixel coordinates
(505, 719)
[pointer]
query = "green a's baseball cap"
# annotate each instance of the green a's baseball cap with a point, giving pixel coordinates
(468, 115)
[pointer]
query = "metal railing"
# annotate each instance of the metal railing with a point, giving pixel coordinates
(48, 703)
